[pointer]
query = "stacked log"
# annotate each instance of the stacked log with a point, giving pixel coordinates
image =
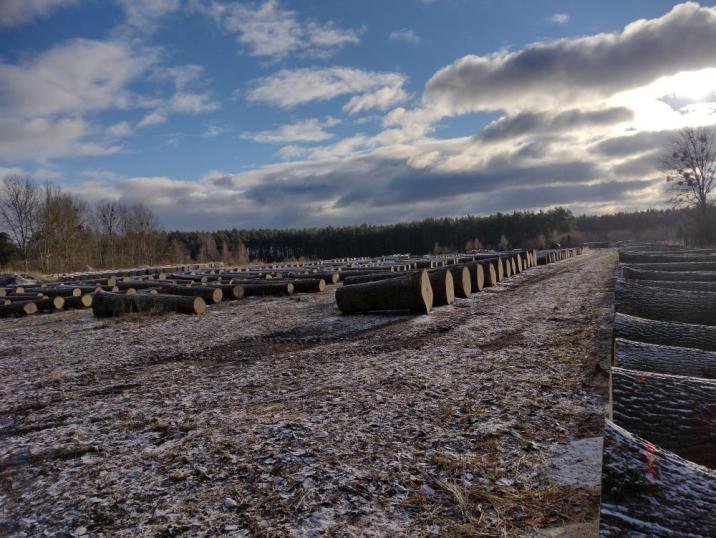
(83, 301)
(210, 294)
(443, 286)
(20, 308)
(688, 276)
(107, 304)
(461, 280)
(666, 304)
(676, 412)
(665, 332)
(672, 360)
(409, 292)
(268, 289)
(650, 491)
(230, 291)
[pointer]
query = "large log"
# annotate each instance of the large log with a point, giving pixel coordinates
(664, 359)
(461, 280)
(443, 286)
(50, 304)
(666, 305)
(664, 332)
(268, 289)
(22, 308)
(477, 276)
(649, 491)
(489, 270)
(640, 257)
(410, 292)
(675, 266)
(67, 291)
(688, 276)
(371, 277)
(330, 277)
(83, 301)
(675, 412)
(208, 293)
(231, 291)
(107, 304)
(677, 284)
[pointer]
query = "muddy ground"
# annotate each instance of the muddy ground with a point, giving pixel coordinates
(280, 417)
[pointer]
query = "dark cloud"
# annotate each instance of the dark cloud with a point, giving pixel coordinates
(624, 146)
(531, 123)
(581, 69)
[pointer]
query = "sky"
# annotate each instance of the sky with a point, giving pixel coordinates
(279, 113)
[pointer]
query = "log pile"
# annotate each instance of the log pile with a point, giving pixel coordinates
(658, 473)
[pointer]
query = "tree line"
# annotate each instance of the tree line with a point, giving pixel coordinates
(49, 230)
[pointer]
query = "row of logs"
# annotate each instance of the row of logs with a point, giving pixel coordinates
(659, 467)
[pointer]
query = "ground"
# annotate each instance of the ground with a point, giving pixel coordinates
(280, 417)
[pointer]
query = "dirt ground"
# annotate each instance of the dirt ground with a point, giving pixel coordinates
(280, 417)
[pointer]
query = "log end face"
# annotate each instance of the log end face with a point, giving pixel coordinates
(199, 305)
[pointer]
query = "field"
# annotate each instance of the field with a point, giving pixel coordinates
(280, 416)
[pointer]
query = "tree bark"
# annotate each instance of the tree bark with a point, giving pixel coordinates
(21, 308)
(675, 266)
(50, 304)
(267, 289)
(409, 292)
(664, 332)
(676, 412)
(57, 292)
(665, 304)
(635, 257)
(83, 301)
(684, 285)
(371, 277)
(208, 293)
(691, 276)
(664, 359)
(443, 286)
(114, 304)
(649, 491)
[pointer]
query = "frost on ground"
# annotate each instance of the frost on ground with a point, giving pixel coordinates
(281, 417)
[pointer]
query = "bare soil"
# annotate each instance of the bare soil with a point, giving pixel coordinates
(280, 417)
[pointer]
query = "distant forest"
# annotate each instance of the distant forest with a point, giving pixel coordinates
(522, 229)
(52, 231)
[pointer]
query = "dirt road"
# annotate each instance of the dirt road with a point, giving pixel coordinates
(282, 417)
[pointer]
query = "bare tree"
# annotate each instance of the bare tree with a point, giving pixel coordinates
(690, 165)
(107, 216)
(19, 204)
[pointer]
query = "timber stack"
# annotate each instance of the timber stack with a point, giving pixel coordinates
(659, 463)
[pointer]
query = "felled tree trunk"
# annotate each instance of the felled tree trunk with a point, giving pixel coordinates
(664, 359)
(410, 292)
(677, 413)
(443, 286)
(489, 272)
(231, 291)
(477, 276)
(678, 285)
(21, 308)
(649, 491)
(676, 266)
(688, 276)
(114, 304)
(664, 257)
(372, 277)
(461, 279)
(83, 301)
(50, 304)
(208, 293)
(665, 333)
(666, 305)
(58, 292)
(268, 289)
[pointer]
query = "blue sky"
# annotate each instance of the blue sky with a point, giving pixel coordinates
(283, 113)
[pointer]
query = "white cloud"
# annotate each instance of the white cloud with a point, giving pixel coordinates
(74, 76)
(405, 35)
(144, 14)
(192, 103)
(577, 70)
(382, 99)
(291, 87)
(15, 12)
(41, 138)
(269, 30)
(153, 118)
(310, 130)
(11, 171)
(291, 152)
(120, 129)
(559, 18)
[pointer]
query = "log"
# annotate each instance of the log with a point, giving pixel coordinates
(461, 280)
(231, 291)
(650, 491)
(689, 276)
(308, 285)
(114, 304)
(371, 277)
(22, 308)
(443, 286)
(409, 292)
(666, 305)
(665, 333)
(190, 278)
(58, 292)
(477, 276)
(489, 273)
(83, 301)
(640, 257)
(677, 284)
(268, 289)
(676, 266)
(676, 412)
(50, 304)
(671, 360)
(208, 293)
(330, 277)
